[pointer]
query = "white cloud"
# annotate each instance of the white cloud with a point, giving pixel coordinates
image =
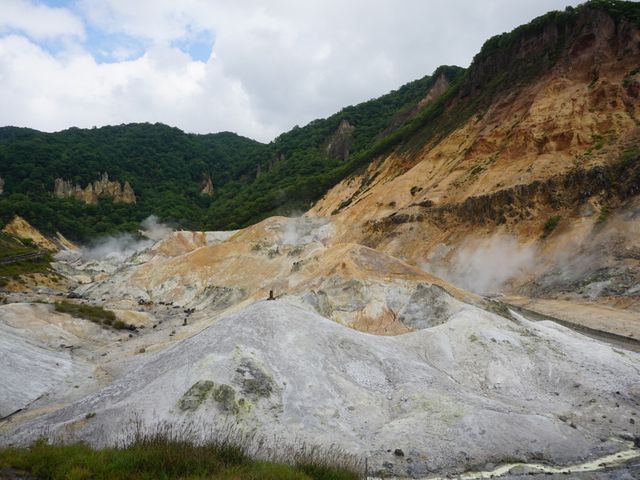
(274, 64)
(39, 21)
(165, 85)
(159, 20)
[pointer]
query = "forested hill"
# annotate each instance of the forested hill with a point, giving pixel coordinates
(224, 181)
(168, 169)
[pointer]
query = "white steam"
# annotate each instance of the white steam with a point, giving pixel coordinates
(290, 234)
(297, 231)
(482, 266)
(118, 248)
(153, 229)
(590, 260)
(599, 262)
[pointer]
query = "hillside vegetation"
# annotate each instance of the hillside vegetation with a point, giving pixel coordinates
(19, 257)
(165, 167)
(252, 180)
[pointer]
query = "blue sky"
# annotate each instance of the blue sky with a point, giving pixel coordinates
(105, 44)
(257, 68)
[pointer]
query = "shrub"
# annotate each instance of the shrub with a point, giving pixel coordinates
(11, 246)
(92, 313)
(604, 213)
(476, 170)
(550, 225)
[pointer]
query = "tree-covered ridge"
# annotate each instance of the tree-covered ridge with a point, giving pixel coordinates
(163, 164)
(617, 9)
(165, 167)
(140, 153)
(507, 61)
(305, 171)
(253, 180)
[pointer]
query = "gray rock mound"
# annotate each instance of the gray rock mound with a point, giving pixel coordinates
(476, 389)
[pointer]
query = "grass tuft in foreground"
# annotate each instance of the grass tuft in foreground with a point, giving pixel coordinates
(162, 455)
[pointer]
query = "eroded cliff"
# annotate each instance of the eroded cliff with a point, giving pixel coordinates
(103, 187)
(542, 130)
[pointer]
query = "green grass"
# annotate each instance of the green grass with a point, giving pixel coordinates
(11, 246)
(160, 458)
(605, 211)
(90, 312)
(14, 270)
(626, 83)
(550, 225)
(598, 142)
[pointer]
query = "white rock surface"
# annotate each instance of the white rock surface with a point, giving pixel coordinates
(35, 357)
(456, 389)
(477, 389)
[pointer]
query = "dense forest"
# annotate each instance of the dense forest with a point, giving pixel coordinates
(165, 167)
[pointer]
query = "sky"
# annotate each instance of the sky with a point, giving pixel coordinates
(253, 67)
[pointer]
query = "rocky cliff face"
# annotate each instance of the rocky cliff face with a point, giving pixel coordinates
(441, 86)
(578, 42)
(339, 144)
(556, 142)
(91, 193)
(444, 77)
(206, 185)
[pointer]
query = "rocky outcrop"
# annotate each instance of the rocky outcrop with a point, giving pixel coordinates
(19, 227)
(614, 184)
(268, 167)
(206, 185)
(340, 142)
(1, 185)
(581, 40)
(128, 195)
(444, 77)
(90, 194)
(518, 116)
(441, 85)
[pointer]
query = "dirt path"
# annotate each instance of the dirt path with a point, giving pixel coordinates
(616, 326)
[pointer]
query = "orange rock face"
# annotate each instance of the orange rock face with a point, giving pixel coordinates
(535, 152)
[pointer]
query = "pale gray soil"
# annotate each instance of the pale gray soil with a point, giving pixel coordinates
(478, 389)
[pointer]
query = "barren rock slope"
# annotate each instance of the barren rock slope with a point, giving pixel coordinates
(477, 389)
